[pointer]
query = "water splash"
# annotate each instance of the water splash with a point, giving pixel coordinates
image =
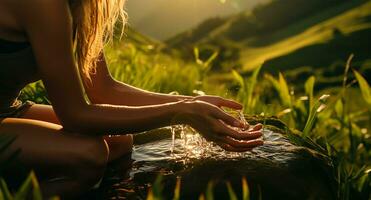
(192, 145)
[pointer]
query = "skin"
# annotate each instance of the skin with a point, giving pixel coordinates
(69, 141)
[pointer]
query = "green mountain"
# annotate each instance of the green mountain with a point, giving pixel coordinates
(299, 37)
(162, 19)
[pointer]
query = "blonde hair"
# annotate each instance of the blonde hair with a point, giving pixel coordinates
(94, 24)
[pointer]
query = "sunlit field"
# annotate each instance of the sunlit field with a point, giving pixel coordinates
(324, 100)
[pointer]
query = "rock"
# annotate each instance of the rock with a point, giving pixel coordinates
(277, 170)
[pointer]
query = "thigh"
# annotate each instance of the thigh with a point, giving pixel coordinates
(45, 147)
(42, 113)
(46, 113)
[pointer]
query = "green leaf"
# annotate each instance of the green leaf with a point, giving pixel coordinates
(245, 190)
(238, 78)
(315, 109)
(24, 189)
(177, 190)
(157, 188)
(211, 59)
(284, 91)
(309, 87)
(365, 88)
(30, 183)
(196, 53)
(5, 190)
(232, 194)
(36, 193)
(209, 191)
(339, 107)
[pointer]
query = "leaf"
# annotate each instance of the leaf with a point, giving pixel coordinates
(211, 59)
(365, 88)
(5, 190)
(238, 78)
(250, 87)
(196, 53)
(309, 87)
(177, 190)
(346, 70)
(157, 188)
(24, 189)
(284, 91)
(245, 189)
(339, 107)
(314, 110)
(150, 195)
(36, 193)
(209, 191)
(232, 194)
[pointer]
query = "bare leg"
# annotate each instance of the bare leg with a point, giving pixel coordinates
(67, 164)
(118, 145)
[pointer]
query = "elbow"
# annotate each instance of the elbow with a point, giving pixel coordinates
(76, 121)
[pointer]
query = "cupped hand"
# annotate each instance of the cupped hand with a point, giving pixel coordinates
(217, 126)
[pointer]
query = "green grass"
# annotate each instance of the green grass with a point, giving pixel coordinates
(331, 125)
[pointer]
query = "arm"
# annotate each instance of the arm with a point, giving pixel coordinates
(48, 25)
(105, 89)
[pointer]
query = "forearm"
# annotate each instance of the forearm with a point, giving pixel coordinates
(98, 119)
(123, 94)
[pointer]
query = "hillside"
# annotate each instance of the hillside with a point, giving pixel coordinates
(162, 19)
(314, 39)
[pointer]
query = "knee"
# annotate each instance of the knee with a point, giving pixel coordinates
(92, 161)
(96, 151)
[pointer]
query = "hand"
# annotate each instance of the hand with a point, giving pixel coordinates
(217, 126)
(219, 102)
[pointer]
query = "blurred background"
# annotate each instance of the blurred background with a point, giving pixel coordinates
(301, 38)
(162, 19)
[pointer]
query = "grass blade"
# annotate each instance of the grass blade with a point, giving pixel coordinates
(365, 88)
(245, 189)
(177, 190)
(232, 194)
(209, 195)
(5, 190)
(309, 87)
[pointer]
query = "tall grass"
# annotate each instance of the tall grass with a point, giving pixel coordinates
(156, 191)
(328, 121)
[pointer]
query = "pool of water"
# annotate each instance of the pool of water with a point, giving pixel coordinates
(191, 147)
(278, 169)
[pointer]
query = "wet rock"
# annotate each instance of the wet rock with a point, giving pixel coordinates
(277, 170)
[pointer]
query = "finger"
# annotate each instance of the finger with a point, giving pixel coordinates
(231, 144)
(241, 143)
(228, 119)
(246, 126)
(257, 127)
(230, 104)
(228, 147)
(238, 134)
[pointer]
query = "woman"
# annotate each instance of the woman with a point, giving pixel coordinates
(60, 42)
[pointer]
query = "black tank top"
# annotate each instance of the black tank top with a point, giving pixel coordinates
(18, 68)
(10, 47)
